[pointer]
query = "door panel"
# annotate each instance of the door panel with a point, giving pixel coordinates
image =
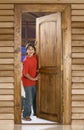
(49, 50)
(47, 37)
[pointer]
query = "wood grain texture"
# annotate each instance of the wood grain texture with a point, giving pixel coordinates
(7, 43)
(7, 31)
(6, 104)
(79, 122)
(78, 61)
(67, 66)
(6, 18)
(78, 97)
(6, 12)
(6, 86)
(7, 24)
(42, 1)
(6, 6)
(17, 67)
(4, 98)
(77, 6)
(77, 43)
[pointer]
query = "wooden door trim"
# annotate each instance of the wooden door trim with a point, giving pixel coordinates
(17, 67)
(67, 64)
(66, 25)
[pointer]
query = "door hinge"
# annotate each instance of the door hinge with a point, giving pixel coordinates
(62, 67)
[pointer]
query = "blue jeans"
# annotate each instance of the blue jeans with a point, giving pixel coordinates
(30, 100)
(23, 102)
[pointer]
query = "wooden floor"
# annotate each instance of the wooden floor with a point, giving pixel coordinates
(42, 127)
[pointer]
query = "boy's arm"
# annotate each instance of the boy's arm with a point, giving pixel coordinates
(30, 77)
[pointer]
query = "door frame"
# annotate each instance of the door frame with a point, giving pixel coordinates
(65, 10)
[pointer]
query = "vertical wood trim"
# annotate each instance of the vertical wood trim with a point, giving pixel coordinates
(17, 66)
(67, 65)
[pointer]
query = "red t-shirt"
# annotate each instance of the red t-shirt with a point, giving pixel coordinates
(29, 67)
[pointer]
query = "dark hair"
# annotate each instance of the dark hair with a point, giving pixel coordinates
(32, 45)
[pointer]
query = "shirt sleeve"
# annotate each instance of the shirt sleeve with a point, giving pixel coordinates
(25, 68)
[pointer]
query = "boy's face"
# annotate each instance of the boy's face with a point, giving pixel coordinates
(30, 51)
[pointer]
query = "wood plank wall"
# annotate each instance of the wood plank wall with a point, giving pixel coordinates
(7, 64)
(77, 63)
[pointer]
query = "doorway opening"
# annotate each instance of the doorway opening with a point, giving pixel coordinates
(29, 36)
(65, 10)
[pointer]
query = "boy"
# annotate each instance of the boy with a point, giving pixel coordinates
(29, 80)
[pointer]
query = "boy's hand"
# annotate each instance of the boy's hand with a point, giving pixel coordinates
(37, 77)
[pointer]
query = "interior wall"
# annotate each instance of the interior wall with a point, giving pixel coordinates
(7, 63)
(77, 63)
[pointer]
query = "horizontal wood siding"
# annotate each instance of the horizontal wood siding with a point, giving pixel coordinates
(7, 59)
(77, 63)
(7, 64)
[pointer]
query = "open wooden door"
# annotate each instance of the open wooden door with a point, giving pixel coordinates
(49, 51)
